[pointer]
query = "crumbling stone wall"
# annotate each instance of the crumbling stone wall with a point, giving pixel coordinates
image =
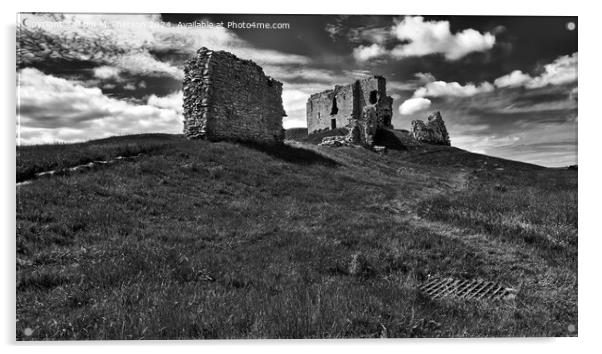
(363, 130)
(331, 109)
(226, 97)
(431, 132)
(343, 106)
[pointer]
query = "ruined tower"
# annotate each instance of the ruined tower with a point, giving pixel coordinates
(345, 105)
(226, 97)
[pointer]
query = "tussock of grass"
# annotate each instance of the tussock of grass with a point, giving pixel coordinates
(230, 240)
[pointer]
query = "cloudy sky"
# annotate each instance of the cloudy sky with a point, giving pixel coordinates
(506, 86)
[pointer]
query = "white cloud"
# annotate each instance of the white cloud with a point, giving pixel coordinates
(356, 74)
(425, 77)
(172, 101)
(563, 70)
(484, 144)
(127, 41)
(283, 74)
(419, 38)
(414, 105)
(53, 109)
(294, 100)
(442, 88)
(559, 105)
(364, 53)
(263, 56)
(432, 37)
(106, 72)
(145, 64)
(514, 79)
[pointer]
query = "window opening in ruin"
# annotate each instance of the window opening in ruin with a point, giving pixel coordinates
(373, 96)
(334, 109)
(333, 123)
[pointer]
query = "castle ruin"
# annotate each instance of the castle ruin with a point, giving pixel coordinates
(360, 107)
(228, 98)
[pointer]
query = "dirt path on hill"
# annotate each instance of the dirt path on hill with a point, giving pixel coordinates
(77, 168)
(503, 255)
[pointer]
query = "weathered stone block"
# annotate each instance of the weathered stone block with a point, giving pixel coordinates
(431, 132)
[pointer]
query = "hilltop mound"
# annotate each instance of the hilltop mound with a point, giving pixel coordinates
(416, 152)
(229, 240)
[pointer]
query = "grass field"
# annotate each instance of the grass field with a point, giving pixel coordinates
(230, 240)
(33, 159)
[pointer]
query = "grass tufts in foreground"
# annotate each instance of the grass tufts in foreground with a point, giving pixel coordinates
(228, 240)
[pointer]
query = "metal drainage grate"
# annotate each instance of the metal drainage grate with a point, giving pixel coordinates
(437, 288)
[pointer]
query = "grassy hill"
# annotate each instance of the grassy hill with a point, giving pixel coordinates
(231, 240)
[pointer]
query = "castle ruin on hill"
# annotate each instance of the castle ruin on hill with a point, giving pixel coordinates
(361, 107)
(229, 98)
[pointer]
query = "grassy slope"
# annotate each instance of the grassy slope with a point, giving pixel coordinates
(38, 158)
(278, 229)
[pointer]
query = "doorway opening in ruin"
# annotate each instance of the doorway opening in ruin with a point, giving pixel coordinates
(334, 110)
(373, 96)
(333, 123)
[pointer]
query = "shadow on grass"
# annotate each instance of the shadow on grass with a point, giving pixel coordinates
(292, 154)
(388, 139)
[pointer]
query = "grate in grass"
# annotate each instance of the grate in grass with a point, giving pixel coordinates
(438, 287)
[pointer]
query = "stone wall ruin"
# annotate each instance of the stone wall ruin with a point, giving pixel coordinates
(361, 107)
(432, 132)
(228, 98)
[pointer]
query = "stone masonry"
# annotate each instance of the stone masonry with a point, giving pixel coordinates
(228, 98)
(431, 132)
(361, 107)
